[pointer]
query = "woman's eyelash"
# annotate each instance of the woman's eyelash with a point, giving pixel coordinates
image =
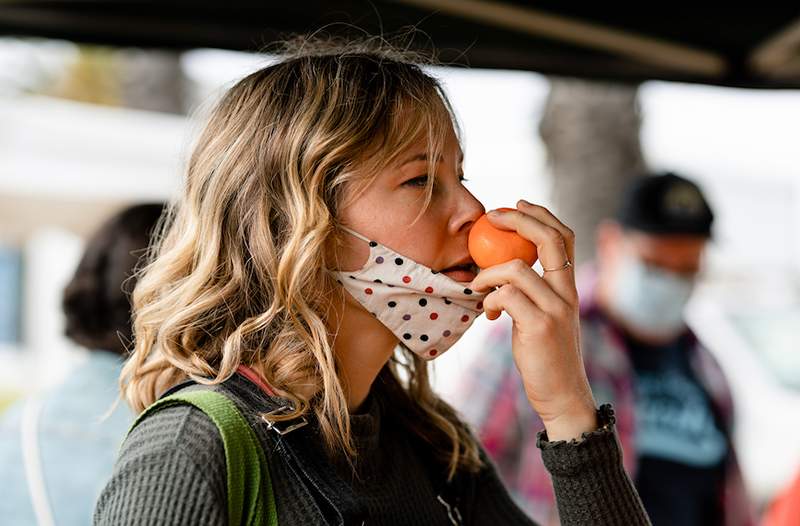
(423, 179)
(417, 181)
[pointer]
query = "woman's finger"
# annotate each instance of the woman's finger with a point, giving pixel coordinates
(515, 302)
(517, 273)
(551, 246)
(546, 216)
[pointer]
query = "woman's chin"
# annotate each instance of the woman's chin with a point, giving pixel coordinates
(461, 276)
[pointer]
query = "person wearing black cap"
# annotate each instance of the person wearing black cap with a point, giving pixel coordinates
(671, 399)
(650, 256)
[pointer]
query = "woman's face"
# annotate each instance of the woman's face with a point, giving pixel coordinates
(385, 210)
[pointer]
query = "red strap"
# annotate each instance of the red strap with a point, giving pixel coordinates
(254, 377)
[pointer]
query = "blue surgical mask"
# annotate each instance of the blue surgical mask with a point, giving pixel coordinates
(650, 300)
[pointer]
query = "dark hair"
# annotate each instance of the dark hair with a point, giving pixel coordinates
(96, 301)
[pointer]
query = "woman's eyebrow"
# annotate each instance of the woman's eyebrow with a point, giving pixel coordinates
(424, 157)
(417, 157)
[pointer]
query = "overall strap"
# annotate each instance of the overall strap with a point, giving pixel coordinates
(251, 500)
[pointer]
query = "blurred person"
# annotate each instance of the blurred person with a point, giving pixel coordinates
(314, 264)
(57, 449)
(673, 405)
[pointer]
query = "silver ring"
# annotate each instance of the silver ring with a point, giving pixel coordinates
(563, 267)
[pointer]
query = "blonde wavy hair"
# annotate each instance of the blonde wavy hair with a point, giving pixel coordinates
(237, 276)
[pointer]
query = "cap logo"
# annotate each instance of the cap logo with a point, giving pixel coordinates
(683, 200)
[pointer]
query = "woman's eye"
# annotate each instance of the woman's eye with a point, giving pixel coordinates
(420, 181)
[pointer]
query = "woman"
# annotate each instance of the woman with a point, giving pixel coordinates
(323, 223)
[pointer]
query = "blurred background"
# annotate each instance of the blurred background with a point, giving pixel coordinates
(95, 116)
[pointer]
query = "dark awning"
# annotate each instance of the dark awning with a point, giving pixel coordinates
(748, 45)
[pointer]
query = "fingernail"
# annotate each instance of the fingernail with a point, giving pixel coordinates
(495, 214)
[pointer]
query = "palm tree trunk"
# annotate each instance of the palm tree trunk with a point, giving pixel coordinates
(591, 133)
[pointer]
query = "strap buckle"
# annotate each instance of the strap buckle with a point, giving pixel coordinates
(273, 425)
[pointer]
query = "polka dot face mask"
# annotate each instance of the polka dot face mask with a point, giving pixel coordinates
(426, 310)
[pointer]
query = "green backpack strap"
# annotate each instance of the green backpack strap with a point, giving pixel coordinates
(251, 500)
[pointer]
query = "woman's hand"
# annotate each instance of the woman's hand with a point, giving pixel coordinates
(546, 331)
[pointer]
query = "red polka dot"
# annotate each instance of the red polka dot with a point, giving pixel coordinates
(368, 291)
(429, 290)
(434, 315)
(465, 318)
(406, 279)
(479, 305)
(433, 352)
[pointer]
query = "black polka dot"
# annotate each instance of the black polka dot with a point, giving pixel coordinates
(393, 304)
(339, 281)
(388, 285)
(378, 281)
(447, 301)
(398, 261)
(374, 314)
(434, 271)
(373, 244)
(352, 277)
(423, 302)
(406, 336)
(467, 291)
(424, 337)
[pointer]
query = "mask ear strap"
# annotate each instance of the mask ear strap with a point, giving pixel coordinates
(353, 232)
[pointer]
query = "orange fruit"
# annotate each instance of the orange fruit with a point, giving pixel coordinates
(490, 246)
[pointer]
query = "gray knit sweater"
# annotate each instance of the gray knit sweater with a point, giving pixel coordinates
(171, 470)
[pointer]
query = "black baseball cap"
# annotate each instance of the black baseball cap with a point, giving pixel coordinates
(665, 203)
